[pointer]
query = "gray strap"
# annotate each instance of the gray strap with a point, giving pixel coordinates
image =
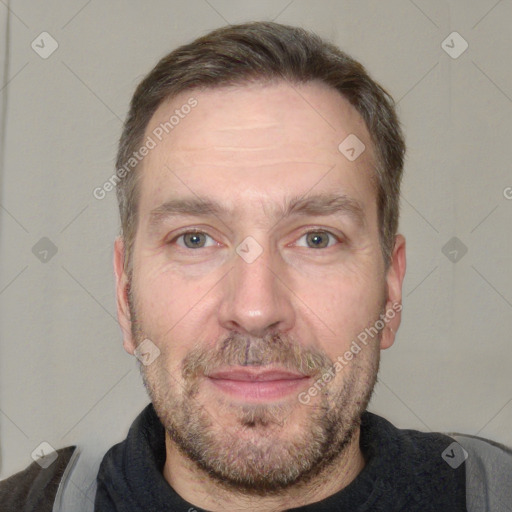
(488, 474)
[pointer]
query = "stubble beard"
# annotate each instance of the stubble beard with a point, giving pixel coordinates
(244, 448)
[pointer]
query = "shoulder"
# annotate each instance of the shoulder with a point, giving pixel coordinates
(410, 465)
(66, 483)
(37, 486)
(414, 445)
(488, 473)
(444, 462)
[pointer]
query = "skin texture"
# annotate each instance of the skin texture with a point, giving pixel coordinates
(297, 306)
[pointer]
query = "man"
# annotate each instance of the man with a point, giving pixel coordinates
(259, 274)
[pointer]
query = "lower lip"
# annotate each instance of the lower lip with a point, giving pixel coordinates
(259, 390)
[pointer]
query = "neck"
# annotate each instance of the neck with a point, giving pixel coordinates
(196, 487)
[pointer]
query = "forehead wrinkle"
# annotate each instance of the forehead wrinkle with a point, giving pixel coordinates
(185, 206)
(321, 205)
(313, 205)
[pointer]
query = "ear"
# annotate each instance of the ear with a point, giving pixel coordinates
(394, 279)
(123, 309)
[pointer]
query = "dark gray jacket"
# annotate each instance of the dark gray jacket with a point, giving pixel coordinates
(488, 479)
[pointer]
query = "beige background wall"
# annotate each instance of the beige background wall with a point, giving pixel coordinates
(64, 377)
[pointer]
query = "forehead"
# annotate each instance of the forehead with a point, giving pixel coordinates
(255, 143)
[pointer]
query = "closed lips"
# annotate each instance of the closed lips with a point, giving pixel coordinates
(249, 376)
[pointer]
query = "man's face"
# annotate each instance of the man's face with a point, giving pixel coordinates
(252, 300)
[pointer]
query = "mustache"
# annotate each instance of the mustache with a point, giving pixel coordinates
(271, 350)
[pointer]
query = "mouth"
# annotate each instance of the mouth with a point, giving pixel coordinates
(257, 384)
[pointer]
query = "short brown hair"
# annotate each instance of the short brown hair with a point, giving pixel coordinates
(266, 52)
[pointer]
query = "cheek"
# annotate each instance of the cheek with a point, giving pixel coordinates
(341, 307)
(353, 287)
(160, 303)
(172, 311)
(166, 294)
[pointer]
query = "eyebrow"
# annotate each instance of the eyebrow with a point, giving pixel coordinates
(312, 205)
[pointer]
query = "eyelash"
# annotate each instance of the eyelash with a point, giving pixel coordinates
(197, 231)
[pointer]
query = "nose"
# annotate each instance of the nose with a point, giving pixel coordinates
(256, 297)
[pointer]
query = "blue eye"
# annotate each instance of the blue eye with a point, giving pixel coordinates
(319, 239)
(194, 240)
